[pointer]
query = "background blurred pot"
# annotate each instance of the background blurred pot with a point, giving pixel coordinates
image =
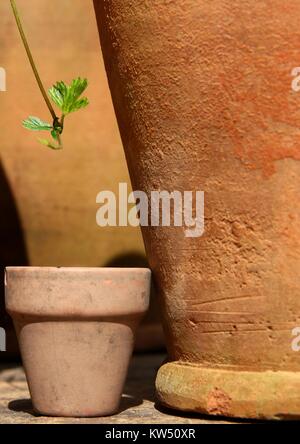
(48, 199)
(203, 97)
(76, 328)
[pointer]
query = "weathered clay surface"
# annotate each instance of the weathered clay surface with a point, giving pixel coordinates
(203, 97)
(76, 332)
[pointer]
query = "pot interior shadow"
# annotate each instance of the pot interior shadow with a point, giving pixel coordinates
(12, 253)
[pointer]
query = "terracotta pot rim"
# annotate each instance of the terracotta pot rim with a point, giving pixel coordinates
(76, 293)
(100, 270)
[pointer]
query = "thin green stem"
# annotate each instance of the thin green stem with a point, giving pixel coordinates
(31, 60)
(60, 145)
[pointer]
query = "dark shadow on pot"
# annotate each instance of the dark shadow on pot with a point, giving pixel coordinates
(12, 253)
(150, 336)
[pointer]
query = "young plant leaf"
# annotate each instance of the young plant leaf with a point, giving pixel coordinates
(58, 93)
(67, 97)
(36, 124)
(77, 87)
(79, 104)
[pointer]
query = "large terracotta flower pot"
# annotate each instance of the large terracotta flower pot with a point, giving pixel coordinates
(203, 97)
(48, 199)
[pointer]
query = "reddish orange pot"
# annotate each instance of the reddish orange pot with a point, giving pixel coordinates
(203, 96)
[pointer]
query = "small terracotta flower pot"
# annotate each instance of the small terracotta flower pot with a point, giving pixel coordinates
(75, 328)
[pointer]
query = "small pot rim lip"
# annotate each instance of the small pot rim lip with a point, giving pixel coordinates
(76, 292)
(79, 269)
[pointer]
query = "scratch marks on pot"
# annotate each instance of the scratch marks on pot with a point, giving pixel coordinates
(211, 326)
(225, 299)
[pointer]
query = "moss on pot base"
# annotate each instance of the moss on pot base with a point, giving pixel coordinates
(228, 392)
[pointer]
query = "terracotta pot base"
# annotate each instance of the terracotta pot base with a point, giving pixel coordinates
(231, 393)
(70, 380)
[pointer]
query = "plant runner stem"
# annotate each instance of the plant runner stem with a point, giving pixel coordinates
(31, 60)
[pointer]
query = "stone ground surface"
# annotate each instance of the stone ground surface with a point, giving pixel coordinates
(138, 403)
